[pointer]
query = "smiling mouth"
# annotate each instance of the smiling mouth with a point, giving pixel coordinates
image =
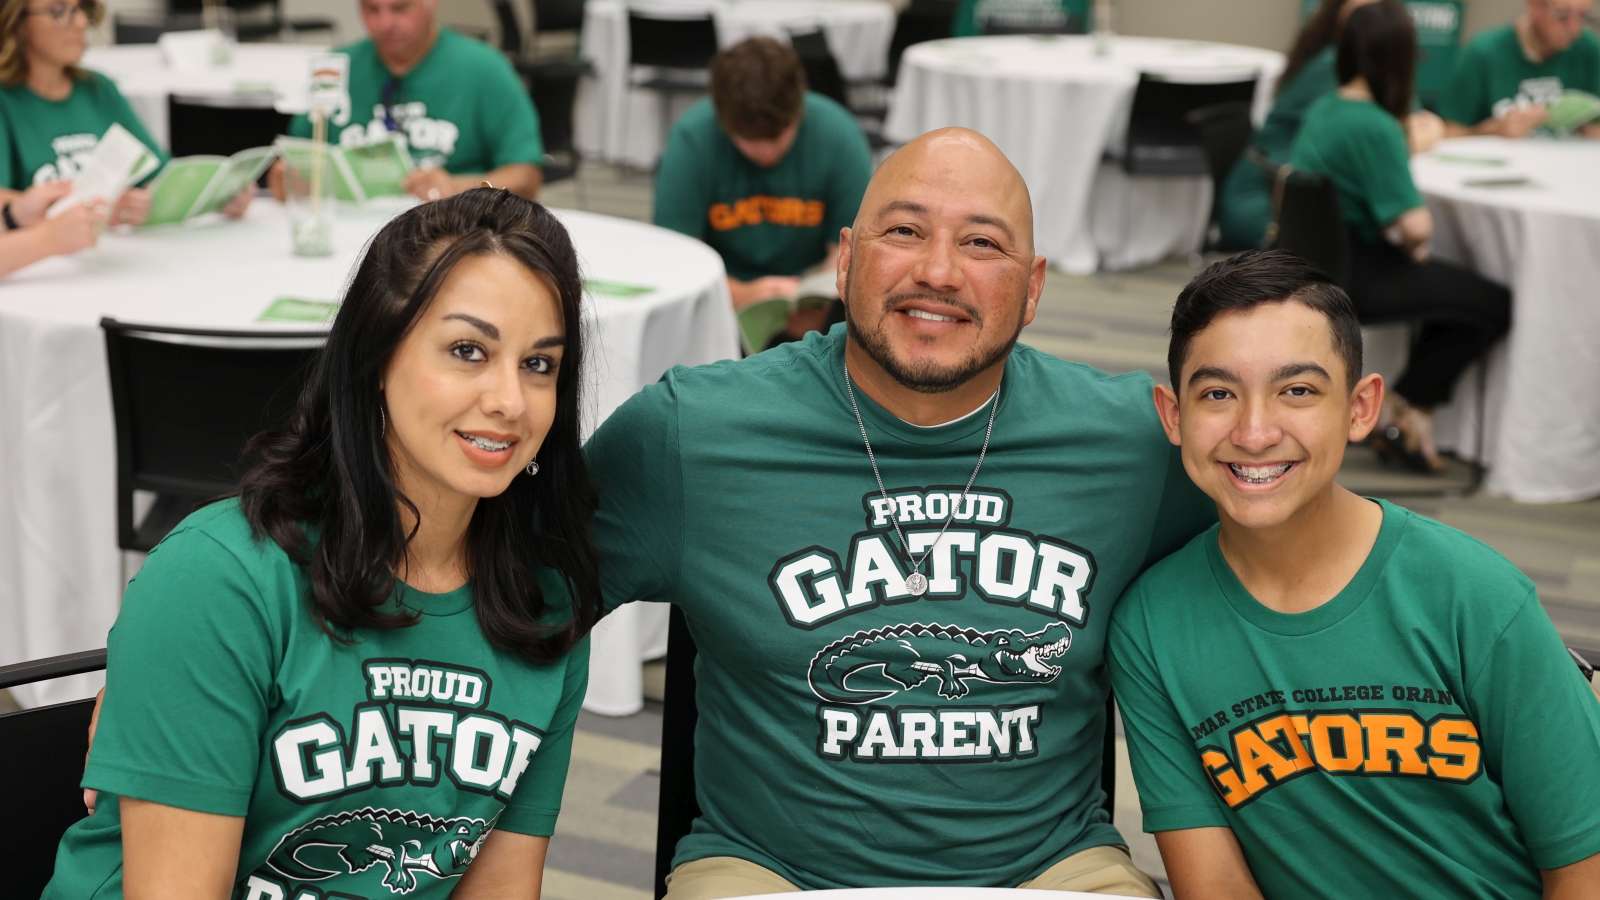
(483, 443)
(932, 317)
(1260, 474)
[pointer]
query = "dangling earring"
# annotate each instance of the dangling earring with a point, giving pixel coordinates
(533, 467)
(383, 422)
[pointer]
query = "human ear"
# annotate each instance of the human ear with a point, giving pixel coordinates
(1036, 272)
(1166, 400)
(842, 264)
(1366, 401)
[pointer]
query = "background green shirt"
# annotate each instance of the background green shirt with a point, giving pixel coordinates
(1363, 149)
(974, 16)
(741, 492)
(1423, 734)
(50, 139)
(224, 697)
(463, 107)
(776, 221)
(1493, 75)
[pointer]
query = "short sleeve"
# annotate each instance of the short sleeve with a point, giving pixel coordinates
(634, 459)
(1540, 735)
(506, 119)
(683, 189)
(122, 113)
(1466, 101)
(189, 674)
(1384, 173)
(300, 126)
(1185, 511)
(1174, 793)
(852, 170)
(534, 807)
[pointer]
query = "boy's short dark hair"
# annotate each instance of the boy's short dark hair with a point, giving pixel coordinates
(1249, 279)
(758, 88)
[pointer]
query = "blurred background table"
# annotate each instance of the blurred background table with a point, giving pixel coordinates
(60, 569)
(1540, 238)
(1059, 111)
(622, 124)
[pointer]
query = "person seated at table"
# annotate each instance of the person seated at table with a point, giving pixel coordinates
(1244, 205)
(465, 114)
(396, 568)
(1506, 78)
(1327, 696)
(1355, 137)
(29, 237)
(767, 173)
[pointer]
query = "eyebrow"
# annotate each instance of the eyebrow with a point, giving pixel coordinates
(1213, 372)
(1290, 370)
(919, 209)
(477, 323)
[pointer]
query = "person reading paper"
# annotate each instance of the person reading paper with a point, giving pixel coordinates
(1506, 79)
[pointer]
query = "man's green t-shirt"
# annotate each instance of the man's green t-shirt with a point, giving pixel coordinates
(1423, 734)
(463, 107)
(50, 139)
(852, 734)
(1364, 150)
(1244, 207)
(978, 16)
(1493, 75)
(776, 221)
(370, 769)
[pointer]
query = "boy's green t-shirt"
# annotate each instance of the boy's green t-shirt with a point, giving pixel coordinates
(1492, 76)
(50, 139)
(1364, 150)
(850, 733)
(463, 107)
(370, 769)
(776, 221)
(1423, 734)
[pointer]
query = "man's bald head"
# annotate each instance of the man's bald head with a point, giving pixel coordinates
(954, 163)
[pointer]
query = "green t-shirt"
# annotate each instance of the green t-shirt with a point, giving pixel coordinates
(1244, 208)
(224, 697)
(1364, 150)
(1423, 734)
(851, 734)
(463, 107)
(1492, 76)
(976, 16)
(776, 221)
(50, 139)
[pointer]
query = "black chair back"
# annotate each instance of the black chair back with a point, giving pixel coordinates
(185, 402)
(41, 765)
(671, 43)
(221, 126)
(1308, 222)
(554, 87)
(261, 20)
(558, 15)
(510, 29)
(1161, 138)
(822, 70)
(148, 27)
(1224, 130)
(921, 21)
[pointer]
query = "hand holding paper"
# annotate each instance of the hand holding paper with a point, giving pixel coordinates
(118, 161)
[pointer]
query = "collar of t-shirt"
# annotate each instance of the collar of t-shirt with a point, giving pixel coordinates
(981, 408)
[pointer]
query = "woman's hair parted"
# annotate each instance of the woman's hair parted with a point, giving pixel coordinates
(13, 59)
(328, 472)
(1380, 44)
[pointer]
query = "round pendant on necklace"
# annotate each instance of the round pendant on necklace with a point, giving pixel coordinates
(917, 584)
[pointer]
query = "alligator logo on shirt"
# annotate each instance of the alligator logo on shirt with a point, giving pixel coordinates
(405, 843)
(907, 655)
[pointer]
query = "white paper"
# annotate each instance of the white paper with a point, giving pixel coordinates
(116, 163)
(191, 51)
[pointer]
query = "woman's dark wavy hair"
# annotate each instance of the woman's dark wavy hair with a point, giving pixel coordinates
(330, 468)
(1320, 32)
(1380, 44)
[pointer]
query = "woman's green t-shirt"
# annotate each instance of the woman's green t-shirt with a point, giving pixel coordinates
(369, 769)
(1363, 149)
(50, 139)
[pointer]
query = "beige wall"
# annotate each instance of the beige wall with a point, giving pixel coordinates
(1259, 23)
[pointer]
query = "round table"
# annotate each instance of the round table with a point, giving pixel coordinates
(1057, 110)
(1541, 239)
(258, 75)
(623, 125)
(60, 569)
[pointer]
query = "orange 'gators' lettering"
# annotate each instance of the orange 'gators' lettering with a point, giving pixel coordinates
(1255, 754)
(761, 208)
(1382, 741)
(1290, 728)
(1450, 740)
(1221, 770)
(1322, 728)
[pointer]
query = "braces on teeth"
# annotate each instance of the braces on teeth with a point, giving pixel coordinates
(483, 443)
(1258, 475)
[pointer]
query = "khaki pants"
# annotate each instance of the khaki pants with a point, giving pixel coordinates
(1098, 870)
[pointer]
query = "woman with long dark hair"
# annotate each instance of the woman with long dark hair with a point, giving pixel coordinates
(1356, 137)
(360, 677)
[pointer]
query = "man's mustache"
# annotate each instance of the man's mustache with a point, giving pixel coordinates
(894, 300)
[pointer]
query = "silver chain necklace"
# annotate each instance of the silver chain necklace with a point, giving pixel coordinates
(916, 582)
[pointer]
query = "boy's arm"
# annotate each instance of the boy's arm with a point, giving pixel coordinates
(1207, 864)
(1579, 881)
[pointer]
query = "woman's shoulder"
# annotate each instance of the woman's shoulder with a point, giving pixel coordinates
(219, 533)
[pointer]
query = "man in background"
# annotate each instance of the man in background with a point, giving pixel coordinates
(766, 173)
(465, 113)
(1506, 78)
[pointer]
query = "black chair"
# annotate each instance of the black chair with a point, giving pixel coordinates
(1308, 222)
(556, 16)
(1162, 140)
(822, 70)
(185, 403)
(222, 125)
(919, 22)
(677, 808)
(676, 54)
(148, 27)
(554, 87)
(259, 20)
(41, 765)
(1224, 130)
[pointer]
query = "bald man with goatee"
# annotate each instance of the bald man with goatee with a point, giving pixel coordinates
(897, 546)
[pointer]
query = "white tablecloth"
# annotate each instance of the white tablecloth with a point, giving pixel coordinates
(623, 125)
(930, 893)
(60, 581)
(1542, 443)
(259, 73)
(1057, 110)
